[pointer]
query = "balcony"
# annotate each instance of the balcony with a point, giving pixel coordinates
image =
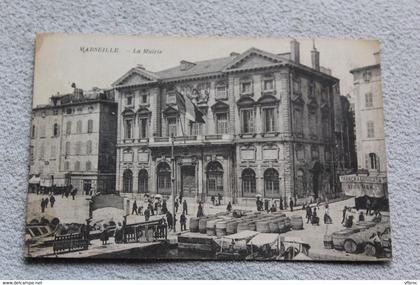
(213, 137)
(185, 138)
(161, 139)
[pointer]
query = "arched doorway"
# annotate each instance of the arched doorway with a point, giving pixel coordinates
(316, 171)
(214, 178)
(248, 182)
(271, 183)
(127, 181)
(143, 181)
(163, 178)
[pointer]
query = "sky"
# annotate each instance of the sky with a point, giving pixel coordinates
(61, 59)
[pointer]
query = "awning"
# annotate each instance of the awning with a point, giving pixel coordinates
(46, 182)
(361, 185)
(263, 239)
(242, 235)
(34, 180)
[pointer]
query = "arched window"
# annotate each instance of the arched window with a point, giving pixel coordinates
(42, 151)
(373, 161)
(214, 178)
(90, 126)
(88, 165)
(370, 129)
(33, 134)
(271, 183)
(56, 130)
(143, 181)
(88, 147)
(368, 100)
(164, 178)
(127, 181)
(248, 182)
(300, 184)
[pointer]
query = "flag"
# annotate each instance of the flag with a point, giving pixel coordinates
(187, 107)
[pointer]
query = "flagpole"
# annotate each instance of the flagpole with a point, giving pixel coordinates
(173, 181)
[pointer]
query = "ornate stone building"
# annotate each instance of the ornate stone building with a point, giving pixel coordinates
(269, 128)
(73, 141)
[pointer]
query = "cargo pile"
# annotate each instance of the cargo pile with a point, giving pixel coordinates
(223, 224)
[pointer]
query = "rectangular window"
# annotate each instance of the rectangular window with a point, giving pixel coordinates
(42, 134)
(79, 127)
(66, 165)
(128, 129)
(296, 85)
(77, 148)
(129, 100)
(67, 148)
(144, 99)
(68, 128)
(171, 98)
(143, 128)
(247, 121)
(370, 130)
(221, 92)
(172, 127)
(221, 123)
(269, 121)
(68, 111)
(195, 129)
(369, 100)
(33, 132)
(268, 84)
(246, 87)
(90, 127)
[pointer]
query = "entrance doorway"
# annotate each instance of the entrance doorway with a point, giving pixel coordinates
(188, 183)
(87, 186)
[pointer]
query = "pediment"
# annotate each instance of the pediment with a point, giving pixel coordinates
(170, 110)
(312, 104)
(268, 99)
(219, 106)
(254, 58)
(298, 100)
(135, 76)
(143, 111)
(128, 112)
(245, 101)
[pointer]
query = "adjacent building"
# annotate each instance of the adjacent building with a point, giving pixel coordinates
(270, 129)
(371, 179)
(73, 141)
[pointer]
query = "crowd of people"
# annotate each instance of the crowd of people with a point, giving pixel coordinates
(50, 198)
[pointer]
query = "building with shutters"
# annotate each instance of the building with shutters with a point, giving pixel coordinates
(269, 128)
(73, 141)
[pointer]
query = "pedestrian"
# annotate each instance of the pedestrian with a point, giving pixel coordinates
(156, 207)
(184, 207)
(200, 211)
(73, 193)
(183, 221)
(315, 219)
(361, 216)
(164, 207)
(147, 214)
(169, 220)
(52, 201)
(42, 205)
(291, 204)
(266, 205)
(212, 199)
(104, 236)
(140, 210)
(327, 217)
(219, 198)
(368, 206)
(349, 221)
(180, 197)
(229, 207)
(150, 207)
(175, 220)
(176, 206)
(344, 214)
(308, 213)
(258, 204)
(134, 210)
(46, 202)
(281, 203)
(273, 209)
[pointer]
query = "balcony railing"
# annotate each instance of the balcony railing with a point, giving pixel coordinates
(161, 139)
(185, 138)
(214, 137)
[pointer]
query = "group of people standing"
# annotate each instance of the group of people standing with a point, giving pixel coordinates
(45, 201)
(265, 205)
(312, 215)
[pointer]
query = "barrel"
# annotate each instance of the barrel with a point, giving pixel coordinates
(288, 223)
(242, 226)
(251, 226)
(274, 226)
(193, 225)
(328, 242)
(340, 236)
(282, 227)
(262, 226)
(296, 222)
(221, 228)
(202, 225)
(211, 226)
(231, 227)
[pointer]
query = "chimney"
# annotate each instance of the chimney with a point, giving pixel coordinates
(295, 51)
(234, 54)
(315, 58)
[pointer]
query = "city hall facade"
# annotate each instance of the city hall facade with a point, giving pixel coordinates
(270, 129)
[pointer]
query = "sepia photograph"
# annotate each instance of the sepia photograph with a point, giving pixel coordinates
(178, 148)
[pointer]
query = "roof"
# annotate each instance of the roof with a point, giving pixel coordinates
(365, 68)
(199, 68)
(242, 235)
(264, 238)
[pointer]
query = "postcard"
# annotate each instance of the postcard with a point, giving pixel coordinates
(207, 148)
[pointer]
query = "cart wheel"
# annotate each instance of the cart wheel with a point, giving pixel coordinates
(370, 249)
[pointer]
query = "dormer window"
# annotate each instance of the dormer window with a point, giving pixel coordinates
(246, 87)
